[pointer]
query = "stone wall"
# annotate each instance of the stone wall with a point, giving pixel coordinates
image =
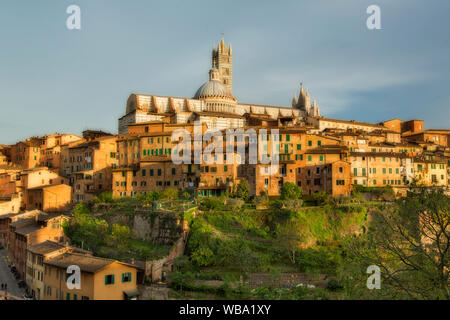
(158, 226)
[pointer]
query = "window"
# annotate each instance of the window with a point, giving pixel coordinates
(341, 170)
(319, 143)
(310, 143)
(321, 158)
(288, 137)
(173, 171)
(143, 172)
(309, 158)
(126, 277)
(109, 279)
(299, 147)
(159, 172)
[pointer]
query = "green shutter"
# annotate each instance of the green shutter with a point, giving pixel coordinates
(112, 279)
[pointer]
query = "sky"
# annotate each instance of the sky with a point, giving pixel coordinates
(57, 80)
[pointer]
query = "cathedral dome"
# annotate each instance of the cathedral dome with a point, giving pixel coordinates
(214, 88)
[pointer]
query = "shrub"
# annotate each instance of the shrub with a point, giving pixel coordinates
(234, 204)
(334, 285)
(170, 194)
(290, 191)
(104, 197)
(212, 203)
(202, 256)
(243, 190)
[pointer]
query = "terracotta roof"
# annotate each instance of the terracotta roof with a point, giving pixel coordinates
(86, 263)
(327, 150)
(378, 154)
(23, 222)
(28, 229)
(45, 247)
(353, 122)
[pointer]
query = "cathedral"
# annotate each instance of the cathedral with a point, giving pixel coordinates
(214, 103)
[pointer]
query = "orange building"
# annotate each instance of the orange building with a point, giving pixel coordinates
(88, 165)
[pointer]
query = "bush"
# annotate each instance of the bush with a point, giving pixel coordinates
(170, 194)
(234, 204)
(202, 257)
(104, 197)
(290, 191)
(243, 190)
(212, 203)
(334, 285)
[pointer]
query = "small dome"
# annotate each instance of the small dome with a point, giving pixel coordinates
(213, 88)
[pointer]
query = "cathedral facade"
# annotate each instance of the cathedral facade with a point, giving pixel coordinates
(214, 103)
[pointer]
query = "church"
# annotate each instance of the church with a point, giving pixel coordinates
(215, 105)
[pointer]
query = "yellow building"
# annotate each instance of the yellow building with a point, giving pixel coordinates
(37, 253)
(430, 172)
(101, 279)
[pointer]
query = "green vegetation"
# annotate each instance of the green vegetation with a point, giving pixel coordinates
(237, 236)
(108, 240)
(410, 243)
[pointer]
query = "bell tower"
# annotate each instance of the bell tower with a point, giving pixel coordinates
(222, 60)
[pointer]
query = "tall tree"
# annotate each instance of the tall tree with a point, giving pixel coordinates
(410, 243)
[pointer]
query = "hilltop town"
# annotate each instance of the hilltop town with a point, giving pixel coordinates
(143, 204)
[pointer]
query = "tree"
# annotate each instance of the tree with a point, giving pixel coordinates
(120, 235)
(289, 238)
(290, 191)
(170, 194)
(243, 190)
(410, 242)
(80, 208)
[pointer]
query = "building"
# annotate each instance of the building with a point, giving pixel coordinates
(377, 169)
(7, 219)
(101, 279)
(326, 123)
(26, 154)
(88, 165)
(439, 137)
(431, 172)
(49, 198)
(51, 148)
(39, 227)
(41, 188)
(36, 255)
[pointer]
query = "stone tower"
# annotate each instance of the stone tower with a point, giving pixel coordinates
(222, 59)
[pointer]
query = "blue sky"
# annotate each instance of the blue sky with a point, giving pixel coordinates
(56, 80)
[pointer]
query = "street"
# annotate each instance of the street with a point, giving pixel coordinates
(6, 276)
